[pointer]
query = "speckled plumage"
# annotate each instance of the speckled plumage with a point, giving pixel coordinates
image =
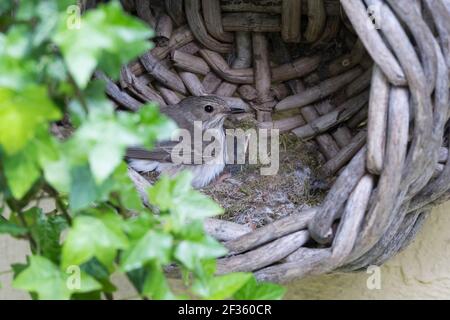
(184, 114)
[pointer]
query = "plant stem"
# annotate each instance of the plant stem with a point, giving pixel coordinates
(59, 204)
(23, 223)
(78, 93)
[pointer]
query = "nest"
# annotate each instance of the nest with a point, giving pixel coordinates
(361, 85)
(255, 200)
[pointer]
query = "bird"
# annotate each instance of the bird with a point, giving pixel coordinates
(205, 112)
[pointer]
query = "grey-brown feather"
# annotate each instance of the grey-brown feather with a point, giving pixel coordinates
(184, 115)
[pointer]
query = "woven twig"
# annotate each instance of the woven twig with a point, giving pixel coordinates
(375, 101)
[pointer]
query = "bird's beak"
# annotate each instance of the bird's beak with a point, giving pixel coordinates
(234, 110)
(236, 105)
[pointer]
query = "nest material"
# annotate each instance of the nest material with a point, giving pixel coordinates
(374, 102)
(254, 200)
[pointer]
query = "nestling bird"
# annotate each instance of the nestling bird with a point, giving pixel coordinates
(208, 112)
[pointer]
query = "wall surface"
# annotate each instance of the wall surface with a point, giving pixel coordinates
(422, 271)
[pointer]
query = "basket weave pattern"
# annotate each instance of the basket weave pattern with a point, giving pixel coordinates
(377, 112)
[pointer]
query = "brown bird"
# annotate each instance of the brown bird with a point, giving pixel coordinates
(191, 114)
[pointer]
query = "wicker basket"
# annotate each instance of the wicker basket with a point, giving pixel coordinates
(382, 128)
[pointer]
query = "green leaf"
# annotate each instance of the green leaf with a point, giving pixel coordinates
(160, 193)
(184, 202)
(21, 171)
(44, 278)
(22, 113)
(137, 278)
(57, 174)
(149, 124)
(190, 253)
(136, 227)
(92, 237)
(193, 231)
(98, 271)
(253, 290)
(89, 296)
(195, 205)
(46, 232)
(83, 190)
(45, 229)
(11, 228)
(107, 37)
(153, 245)
(127, 192)
(16, 71)
(105, 140)
(155, 285)
(47, 14)
(6, 6)
(105, 135)
(221, 287)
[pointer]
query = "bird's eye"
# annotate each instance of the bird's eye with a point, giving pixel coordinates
(209, 108)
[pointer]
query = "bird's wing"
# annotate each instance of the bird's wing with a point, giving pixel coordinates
(162, 152)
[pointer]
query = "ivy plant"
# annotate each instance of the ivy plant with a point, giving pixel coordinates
(99, 226)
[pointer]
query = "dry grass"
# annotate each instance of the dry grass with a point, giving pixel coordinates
(252, 199)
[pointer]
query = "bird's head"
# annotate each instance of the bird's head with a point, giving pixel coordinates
(210, 110)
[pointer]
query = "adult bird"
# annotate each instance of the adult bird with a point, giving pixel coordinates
(191, 114)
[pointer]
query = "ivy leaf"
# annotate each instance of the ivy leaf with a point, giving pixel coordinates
(83, 190)
(105, 140)
(57, 174)
(127, 192)
(44, 278)
(190, 253)
(160, 193)
(6, 6)
(107, 37)
(46, 13)
(22, 113)
(34, 8)
(153, 245)
(21, 171)
(46, 231)
(253, 290)
(149, 124)
(136, 227)
(137, 278)
(195, 205)
(91, 237)
(155, 285)
(95, 269)
(15, 70)
(104, 135)
(178, 196)
(193, 231)
(221, 287)
(11, 228)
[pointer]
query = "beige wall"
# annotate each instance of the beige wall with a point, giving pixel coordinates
(421, 272)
